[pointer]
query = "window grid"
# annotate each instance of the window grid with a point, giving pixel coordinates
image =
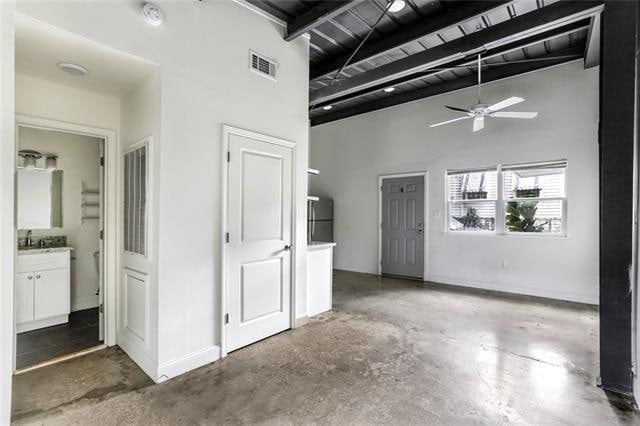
(546, 180)
(135, 201)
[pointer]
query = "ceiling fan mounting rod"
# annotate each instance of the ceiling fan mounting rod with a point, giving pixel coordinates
(479, 77)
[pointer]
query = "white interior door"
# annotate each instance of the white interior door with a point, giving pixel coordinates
(259, 249)
(101, 248)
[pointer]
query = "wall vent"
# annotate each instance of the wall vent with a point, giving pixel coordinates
(263, 65)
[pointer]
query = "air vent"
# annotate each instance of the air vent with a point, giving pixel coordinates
(263, 66)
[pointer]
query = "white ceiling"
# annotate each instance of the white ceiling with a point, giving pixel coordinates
(40, 46)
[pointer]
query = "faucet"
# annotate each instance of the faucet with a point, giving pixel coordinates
(27, 241)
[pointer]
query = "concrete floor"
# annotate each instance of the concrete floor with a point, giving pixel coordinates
(391, 351)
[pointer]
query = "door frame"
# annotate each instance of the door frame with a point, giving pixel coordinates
(109, 212)
(227, 131)
(425, 175)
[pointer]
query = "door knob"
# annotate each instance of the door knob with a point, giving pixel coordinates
(288, 248)
(420, 228)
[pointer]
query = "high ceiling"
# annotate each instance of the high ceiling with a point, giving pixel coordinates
(430, 46)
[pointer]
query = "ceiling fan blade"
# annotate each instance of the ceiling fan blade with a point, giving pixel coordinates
(478, 123)
(449, 121)
(506, 103)
(514, 114)
(457, 109)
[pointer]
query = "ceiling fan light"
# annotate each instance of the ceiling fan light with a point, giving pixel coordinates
(396, 5)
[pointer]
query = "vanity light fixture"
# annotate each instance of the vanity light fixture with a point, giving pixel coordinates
(51, 162)
(327, 107)
(152, 14)
(30, 158)
(397, 5)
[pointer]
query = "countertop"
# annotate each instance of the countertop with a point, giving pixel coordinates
(40, 250)
(317, 245)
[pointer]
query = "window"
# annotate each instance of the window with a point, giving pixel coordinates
(532, 199)
(135, 200)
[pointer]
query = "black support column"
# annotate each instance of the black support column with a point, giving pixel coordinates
(617, 118)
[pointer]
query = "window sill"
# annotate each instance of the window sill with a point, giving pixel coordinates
(507, 235)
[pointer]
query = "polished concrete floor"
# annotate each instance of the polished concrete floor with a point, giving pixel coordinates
(391, 352)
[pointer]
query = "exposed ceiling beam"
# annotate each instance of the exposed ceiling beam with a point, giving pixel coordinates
(415, 32)
(489, 54)
(317, 15)
(497, 73)
(540, 20)
(592, 51)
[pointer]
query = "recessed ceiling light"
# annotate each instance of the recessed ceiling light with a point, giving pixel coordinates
(397, 6)
(389, 89)
(73, 69)
(152, 14)
(327, 107)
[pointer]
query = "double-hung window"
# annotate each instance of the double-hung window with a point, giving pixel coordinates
(509, 199)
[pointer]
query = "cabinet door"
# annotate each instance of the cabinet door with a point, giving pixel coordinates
(24, 297)
(51, 293)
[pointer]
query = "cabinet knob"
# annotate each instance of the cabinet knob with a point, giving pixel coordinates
(30, 277)
(37, 276)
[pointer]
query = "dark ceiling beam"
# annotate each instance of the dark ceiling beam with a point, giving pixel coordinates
(317, 15)
(538, 21)
(592, 51)
(489, 54)
(415, 32)
(494, 74)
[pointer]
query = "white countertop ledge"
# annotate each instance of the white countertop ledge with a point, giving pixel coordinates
(316, 245)
(38, 250)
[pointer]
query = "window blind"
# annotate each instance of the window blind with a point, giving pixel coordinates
(135, 201)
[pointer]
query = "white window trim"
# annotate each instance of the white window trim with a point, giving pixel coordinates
(500, 201)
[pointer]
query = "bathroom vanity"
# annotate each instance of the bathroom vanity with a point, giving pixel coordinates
(42, 287)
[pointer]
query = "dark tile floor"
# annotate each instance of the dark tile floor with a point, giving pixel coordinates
(81, 332)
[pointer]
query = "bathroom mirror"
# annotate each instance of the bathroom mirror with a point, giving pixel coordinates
(39, 198)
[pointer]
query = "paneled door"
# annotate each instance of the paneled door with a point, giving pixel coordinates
(259, 248)
(403, 226)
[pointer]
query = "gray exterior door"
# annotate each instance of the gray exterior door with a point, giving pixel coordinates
(403, 226)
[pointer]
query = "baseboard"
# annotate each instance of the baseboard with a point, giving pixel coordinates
(47, 322)
(301, 321)
(527, 291)
(138, 355)
(175, 367)
(84, 304)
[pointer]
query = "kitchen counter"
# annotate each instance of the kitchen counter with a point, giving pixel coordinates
(317, 245)
(40, 250)
(319, 277)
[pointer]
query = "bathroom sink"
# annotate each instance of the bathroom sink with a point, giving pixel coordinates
(35, 250)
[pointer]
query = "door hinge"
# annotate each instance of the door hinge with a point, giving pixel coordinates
(101, 234)
(381, 188)
(102, 308)
(226, 318)
(228, 156)
(102, 161)
(226, 237)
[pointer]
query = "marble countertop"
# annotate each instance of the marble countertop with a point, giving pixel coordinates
(317, 245)
(40, 250)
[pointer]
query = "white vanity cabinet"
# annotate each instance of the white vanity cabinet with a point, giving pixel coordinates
(42, 288)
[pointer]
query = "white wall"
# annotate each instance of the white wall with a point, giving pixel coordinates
(202, 51)
(7, 231)
(79, 159)
(352, 153)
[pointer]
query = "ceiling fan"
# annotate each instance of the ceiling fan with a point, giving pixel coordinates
(481, 110)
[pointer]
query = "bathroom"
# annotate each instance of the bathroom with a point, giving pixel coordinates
(59, 215)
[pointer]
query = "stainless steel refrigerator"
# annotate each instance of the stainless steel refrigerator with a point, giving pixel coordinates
(320, 220)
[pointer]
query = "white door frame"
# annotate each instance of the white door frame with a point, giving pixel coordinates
(425, 174)
(227, 131)
(110, 211)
